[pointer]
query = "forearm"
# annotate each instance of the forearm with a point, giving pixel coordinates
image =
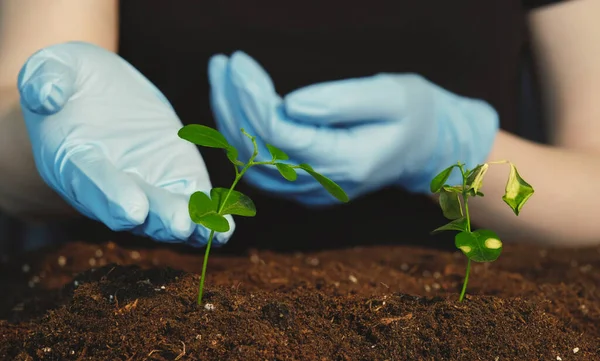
(22, 192)
(563, 210)
(25, 27)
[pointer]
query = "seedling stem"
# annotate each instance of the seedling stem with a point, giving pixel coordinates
(210, 211)
(481, 245)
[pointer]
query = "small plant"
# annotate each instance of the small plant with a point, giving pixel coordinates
(481, 245)
(209, 211)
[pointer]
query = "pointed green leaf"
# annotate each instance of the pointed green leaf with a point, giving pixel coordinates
(517, 191)
(453, 189)
(277, 153)
(439, 180)
(237, 203)
(475, 178)
(203, 136)
(450, 204)
(480, 246)
(232, 155)
(286, 171)
(203, 210)
(329, 185)
(459, 224)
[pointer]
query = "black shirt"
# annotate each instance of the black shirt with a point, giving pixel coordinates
(471, 47)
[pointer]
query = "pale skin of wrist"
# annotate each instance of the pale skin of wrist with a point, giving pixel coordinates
(562, 211)
(23, 193)
(565, 173)
(25, 27)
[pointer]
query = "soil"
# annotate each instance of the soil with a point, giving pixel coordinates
(137, 301)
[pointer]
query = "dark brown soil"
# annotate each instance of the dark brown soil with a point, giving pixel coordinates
(371, 303)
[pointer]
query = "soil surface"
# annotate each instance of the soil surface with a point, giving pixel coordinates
(137, 301)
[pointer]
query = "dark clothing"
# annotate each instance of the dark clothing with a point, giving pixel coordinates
(471, 47)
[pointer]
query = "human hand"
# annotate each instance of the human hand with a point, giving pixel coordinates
(105, 138)
(364, 134)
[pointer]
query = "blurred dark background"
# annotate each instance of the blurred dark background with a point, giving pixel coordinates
(489, 58)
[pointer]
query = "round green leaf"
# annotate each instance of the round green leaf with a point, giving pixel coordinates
(329, 185)
(199, 205)
(480, 246)
(450, 204)
(215, 222)
(286, 171)
(277, 153)
(203, 136)
(237, 203)
(203, 210)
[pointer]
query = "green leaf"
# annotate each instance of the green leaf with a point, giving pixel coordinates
(277, 153)
(450, 204)
(237, 203)
(286, 171)
(475, 178)
(203, 210)
(453, 189)
(203, 136)
(480, 246)
(329, 185)
(459, 224)
(473, 194)
(439, 180)
(200, 204)
(517, 191)
(232, 155)
(215, 222)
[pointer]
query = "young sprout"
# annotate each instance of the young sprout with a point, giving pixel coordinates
(481, 245)
(209, 211)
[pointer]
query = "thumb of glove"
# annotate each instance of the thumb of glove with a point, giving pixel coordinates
(45, 83)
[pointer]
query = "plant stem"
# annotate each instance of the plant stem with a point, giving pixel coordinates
(465, 196)
(238, 176)
(201, 289)
(464, 287)
(467, 215)
(212, 233)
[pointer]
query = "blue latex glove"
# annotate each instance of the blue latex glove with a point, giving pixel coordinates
(105, 139)
(365, 133)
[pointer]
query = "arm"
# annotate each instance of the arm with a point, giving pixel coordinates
(25, 27)
(564, 174)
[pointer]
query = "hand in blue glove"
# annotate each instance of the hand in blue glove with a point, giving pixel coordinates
(106, 140)
(365, 133)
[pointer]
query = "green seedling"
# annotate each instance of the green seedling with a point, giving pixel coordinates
(482, 245)
(209, 211)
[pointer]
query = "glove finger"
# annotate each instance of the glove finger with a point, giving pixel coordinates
(359, 100)
(102, 192)
(261, 106)
(45, 83)
(226, 122)
(243, 65)
(169, 220)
